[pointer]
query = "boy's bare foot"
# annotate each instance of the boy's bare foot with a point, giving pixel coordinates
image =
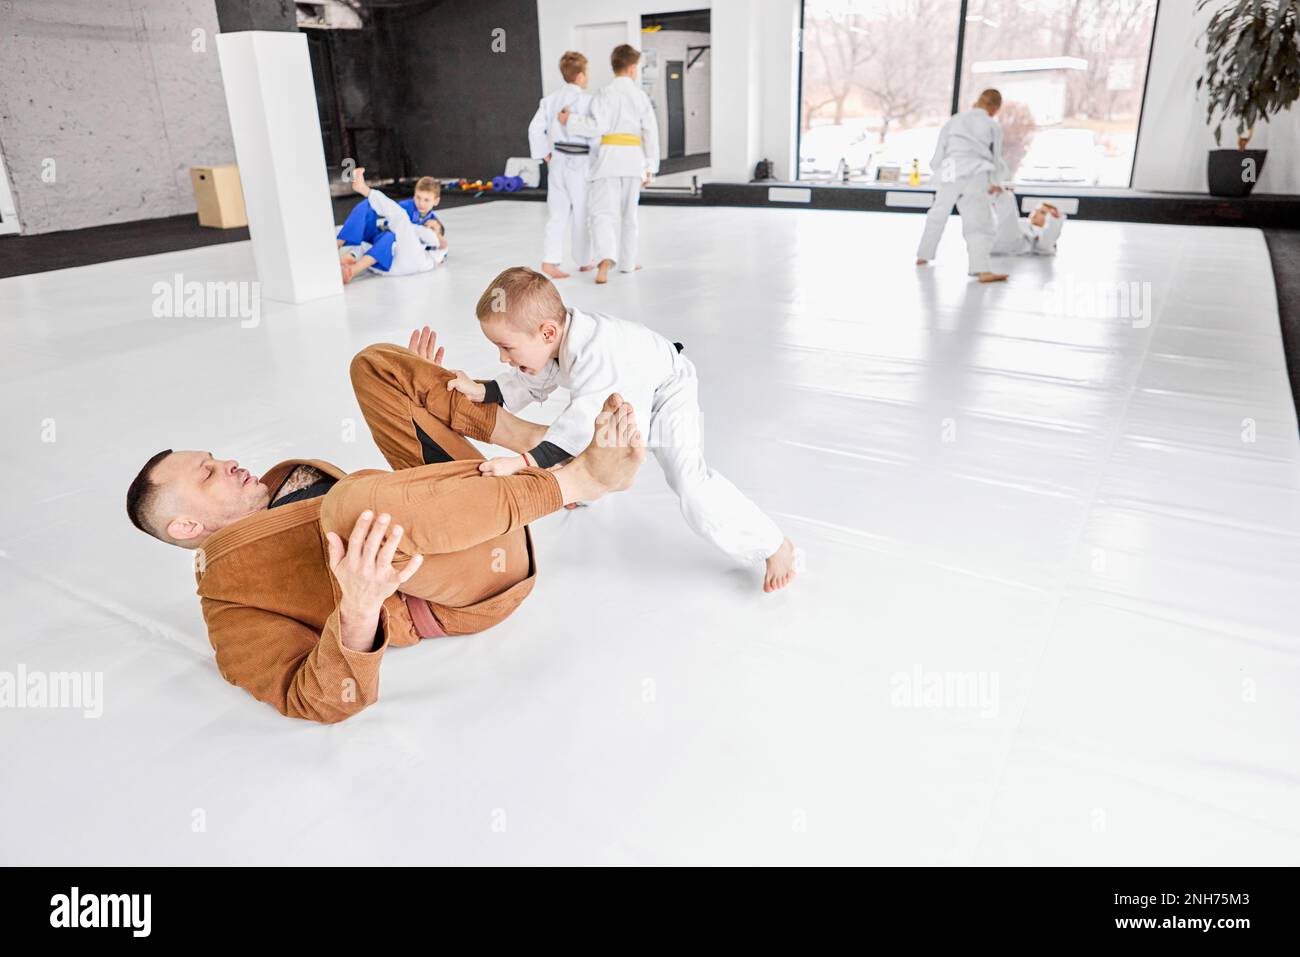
(922, 262)
(359, 183)
(347, 272)
(610, 462)
(587, 268)
(781, 567)
(992, 277)
(602, 271)
(350, 259)
(554, 271)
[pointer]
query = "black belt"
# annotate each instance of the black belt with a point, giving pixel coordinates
(573, 149)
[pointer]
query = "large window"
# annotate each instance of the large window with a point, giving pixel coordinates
(877, 83)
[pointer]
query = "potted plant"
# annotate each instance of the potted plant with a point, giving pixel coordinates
(1252, 72)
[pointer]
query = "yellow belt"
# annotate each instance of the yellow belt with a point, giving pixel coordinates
(620, 139)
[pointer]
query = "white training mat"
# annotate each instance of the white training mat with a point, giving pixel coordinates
(1049, 616)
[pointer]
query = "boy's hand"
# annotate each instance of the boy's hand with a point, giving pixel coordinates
(503, 465)
(422, 343)
(474, 391)
(645, 179)
(563, 116)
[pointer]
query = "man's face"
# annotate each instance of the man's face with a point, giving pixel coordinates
(527, 352)
(204, 494)
(425, 201)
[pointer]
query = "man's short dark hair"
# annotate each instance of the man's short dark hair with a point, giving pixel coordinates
(142, 494)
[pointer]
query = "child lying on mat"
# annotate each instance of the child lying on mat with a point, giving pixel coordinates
(549, 346)
(1035, 234)
(401, 238)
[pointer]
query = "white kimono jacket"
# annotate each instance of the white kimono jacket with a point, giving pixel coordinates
(969, 143)
(544, 132)
(621, 107)
(599, 354)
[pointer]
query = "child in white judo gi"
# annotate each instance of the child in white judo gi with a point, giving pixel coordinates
(628, 156)
(404, 247)
(969, 168)
(1035, 234)
(568, 163)
(549, 346)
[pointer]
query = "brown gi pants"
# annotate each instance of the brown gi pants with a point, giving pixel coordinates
(470, 528)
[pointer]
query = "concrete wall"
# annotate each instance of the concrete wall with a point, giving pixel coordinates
(671, 45)
(111, 101)
(1174, 136)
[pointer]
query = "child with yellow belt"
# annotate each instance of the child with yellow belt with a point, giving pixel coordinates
(624, 121)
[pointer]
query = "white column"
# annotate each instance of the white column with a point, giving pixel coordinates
(272, 103)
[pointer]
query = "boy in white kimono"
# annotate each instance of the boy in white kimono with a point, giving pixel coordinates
(412, 249)
(568, 163)
(623, 119)
(1035, 234)
(550, 346)
(969, 168)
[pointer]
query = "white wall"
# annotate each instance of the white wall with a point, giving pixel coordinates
(557, 20)
(114, 96)
(1174, 137)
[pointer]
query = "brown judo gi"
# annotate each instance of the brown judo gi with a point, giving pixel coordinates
(269, 598)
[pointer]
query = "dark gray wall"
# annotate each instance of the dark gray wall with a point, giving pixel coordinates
(462, 108)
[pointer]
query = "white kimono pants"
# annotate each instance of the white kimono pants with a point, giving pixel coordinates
(971, 194)
(612, 202)
(714, 508)
(566, 206)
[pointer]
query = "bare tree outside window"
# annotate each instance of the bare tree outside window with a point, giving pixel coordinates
(877, 85)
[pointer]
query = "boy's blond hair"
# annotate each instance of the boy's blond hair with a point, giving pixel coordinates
(427, 184)
(991, 98)
(624, 56)
(523, 296)
(572, 64)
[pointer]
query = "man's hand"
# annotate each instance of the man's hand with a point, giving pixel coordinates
(474, 391)
(422, 344)
(366, 576)
(503, 465)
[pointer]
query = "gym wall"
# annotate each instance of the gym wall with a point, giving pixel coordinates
(105, 106)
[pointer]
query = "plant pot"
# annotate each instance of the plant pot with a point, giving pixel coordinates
(1234, 172)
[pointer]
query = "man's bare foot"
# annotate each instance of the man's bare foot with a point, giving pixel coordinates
(602, 271)
(554, 271)
(992, 277)
(587, 268)
(610, 462)
(922, 262)
(781, 567)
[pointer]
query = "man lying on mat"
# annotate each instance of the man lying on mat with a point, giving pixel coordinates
(309, 575)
